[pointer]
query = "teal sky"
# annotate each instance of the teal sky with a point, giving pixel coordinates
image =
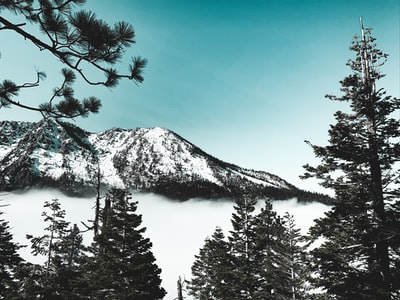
(243, 80)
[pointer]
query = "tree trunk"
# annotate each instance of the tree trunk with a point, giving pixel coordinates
(382, 251)
(180, 288)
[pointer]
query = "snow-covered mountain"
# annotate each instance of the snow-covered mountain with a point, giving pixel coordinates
(61, 155)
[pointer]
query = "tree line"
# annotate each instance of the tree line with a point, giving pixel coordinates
(118, 264)
(264, 257)
(358, 258)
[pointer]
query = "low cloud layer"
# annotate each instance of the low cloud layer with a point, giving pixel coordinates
(176, 229)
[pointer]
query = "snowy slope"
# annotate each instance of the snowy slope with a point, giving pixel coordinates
(61, 155)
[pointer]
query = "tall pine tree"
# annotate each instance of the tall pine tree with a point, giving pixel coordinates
(273, 282)
(122, 265)
(243, 250)
(295, 260)
(358, 258)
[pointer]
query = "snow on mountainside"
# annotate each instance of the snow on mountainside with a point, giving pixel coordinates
(61, 155)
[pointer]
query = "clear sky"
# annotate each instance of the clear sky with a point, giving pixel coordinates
(243, 80)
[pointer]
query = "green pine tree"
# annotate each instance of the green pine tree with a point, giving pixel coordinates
(358, 258)
(9, 260)
(264, 258)
(243, 250)
(296, 259)
(122, 265)
(67, 264)
(212, 270)
(273, 280)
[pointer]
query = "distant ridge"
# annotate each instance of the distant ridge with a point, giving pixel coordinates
(62, 155)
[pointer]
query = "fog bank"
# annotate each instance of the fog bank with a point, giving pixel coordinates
(176, 229)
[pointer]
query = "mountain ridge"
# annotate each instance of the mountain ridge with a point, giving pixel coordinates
(58, 154)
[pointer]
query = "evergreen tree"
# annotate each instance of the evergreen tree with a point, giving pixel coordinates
(48, 243)
(67, 264)
(273, 282)
(212, 270)
(122, 265)
(31, 282)
(265, 258)
(84, 44)
(295, 260)
(9, 260)
(63, 250)
(243, 249)
(358, 258)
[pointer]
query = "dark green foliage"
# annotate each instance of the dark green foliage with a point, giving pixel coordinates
(274, 282)
(213, 269)
(81, 41)
(9, 260)
(197, 187)
(306, 196)
(295, 259)
(359, 256)
(243, 249)
(31, 281)
(121, 265)
(262, 259)
(190, 189)
(67, 264)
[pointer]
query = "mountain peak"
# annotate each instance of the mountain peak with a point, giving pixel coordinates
(58, 154)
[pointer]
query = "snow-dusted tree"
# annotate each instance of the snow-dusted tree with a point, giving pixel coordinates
(359, 256)
(212, 270)
(295, 260)
(243, 251)
(122, 265)
(264, 258)
(84, 44)
(273, 279)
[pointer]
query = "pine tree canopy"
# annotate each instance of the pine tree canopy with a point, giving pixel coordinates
(359, 257)
(122, 265)
(261, 259)
(81, 41)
